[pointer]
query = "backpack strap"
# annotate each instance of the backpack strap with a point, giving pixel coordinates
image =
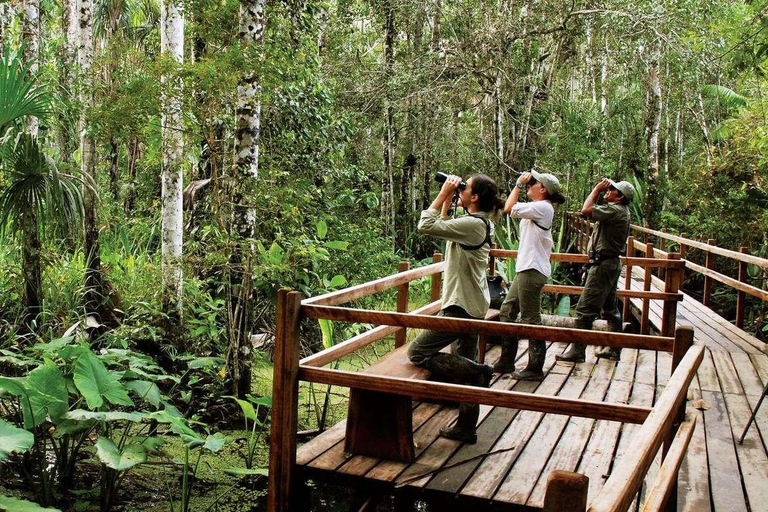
(540, 226)
(487, 236)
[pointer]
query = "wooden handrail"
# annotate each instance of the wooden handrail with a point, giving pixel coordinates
(733, 283)
(664, 485)
(461, 325)
(628, 474)
(576, 290)
(583, 258)
(462, 393)
(747, 258)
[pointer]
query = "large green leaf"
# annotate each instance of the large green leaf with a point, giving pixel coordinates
(16, 386)
(83, 415)
(215, 442)
(18, 95)
(8, 504)
(145, 390)
(121, 460)
(247, 407)
(47, 393)
(96, 384)
(14, 439)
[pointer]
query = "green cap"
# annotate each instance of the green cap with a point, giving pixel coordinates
(551, 184)
(626, 189)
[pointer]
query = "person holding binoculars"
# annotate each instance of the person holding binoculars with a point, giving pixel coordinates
(532, 267)
(465, 289)
(607, 243)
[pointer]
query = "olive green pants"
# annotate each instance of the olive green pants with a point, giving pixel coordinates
(599, 296)
(524, 297)
(428, 343)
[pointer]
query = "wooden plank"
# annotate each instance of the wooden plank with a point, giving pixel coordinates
(726, 373)
(524, 474)
(693, 483)
(463, 393)
(573, 441)
(321, 444)
(646, 368)
(725, 478)
(761, 365)
(707, 374)
(625, 368)
(491, 472)
(753, 461)
(462, 325)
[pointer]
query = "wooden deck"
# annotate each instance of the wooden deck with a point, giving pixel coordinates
(516, 450)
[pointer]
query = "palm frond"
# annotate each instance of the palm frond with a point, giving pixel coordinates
(35, 185)
(728, 96)
(19, 96)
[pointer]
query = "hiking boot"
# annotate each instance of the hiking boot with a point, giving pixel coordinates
(459, 434)
(529, 375)
(610, 353)
(574, 354)
(466, 424)
(506, 363)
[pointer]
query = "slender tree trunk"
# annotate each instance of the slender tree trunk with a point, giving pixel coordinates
(702, 117)
(67, 61)
(498, 115)
(31, 38)
(604, 80)
(248, 120)
(94, 286)
(652, 199)
(590, 57)
(31, 267)
(134, 153)
(172, 175)
(387, 182)
(114, 169)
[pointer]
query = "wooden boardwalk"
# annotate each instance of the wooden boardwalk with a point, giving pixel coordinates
(516, 450)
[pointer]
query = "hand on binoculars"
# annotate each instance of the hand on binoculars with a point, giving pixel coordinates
(524, 178)
(603, 185)
(451, 184)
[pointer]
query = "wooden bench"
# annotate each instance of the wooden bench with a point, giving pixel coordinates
(381, 424)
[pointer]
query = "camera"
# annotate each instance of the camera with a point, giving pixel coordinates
(440, 177)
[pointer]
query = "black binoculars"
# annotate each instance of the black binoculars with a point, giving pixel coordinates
(440, 177)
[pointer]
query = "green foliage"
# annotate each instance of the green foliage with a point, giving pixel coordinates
(8, 504)
(19, 96)
(13, 439)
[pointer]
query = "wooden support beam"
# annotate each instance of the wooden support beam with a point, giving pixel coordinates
(402, 303)
(629, 472)
(733, 283)
(741, 297)
(709, 264)
(461, 393)
(683, 246)
(628, 276)
(566, 492)
(285, 405)
(672, 281)
(645, 324)
(663, 493)
(468, 326)
(437, 279)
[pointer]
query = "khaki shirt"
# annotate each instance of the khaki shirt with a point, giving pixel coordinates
(611, 229)
(464, 282)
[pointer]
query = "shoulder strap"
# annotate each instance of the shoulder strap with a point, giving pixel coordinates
(540, 226)
(487, 236)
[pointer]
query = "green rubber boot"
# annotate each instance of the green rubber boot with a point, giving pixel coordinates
(537, 350)
(506, 363)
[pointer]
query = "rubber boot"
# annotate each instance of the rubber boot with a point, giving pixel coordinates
(506, 363)
(460, 370)
(466, 424)
(611, 353)
(537, 350)
(575, 354)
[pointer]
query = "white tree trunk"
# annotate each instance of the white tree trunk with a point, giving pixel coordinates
(604, 80)
(248, 119)
(172, 176)
(499, 123)
(31, 39)
(652, 203)
(591, 78)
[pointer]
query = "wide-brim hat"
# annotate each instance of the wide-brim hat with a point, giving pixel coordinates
(551, 184)
(626, 189)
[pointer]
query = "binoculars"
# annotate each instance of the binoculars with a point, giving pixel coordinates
(440, 177)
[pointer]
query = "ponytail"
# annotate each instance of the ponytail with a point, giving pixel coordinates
(488, 193)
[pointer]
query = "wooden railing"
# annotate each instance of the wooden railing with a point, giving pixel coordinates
(579, 230)
(657, 422)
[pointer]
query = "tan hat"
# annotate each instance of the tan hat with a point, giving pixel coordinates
(626, 189)
(551, 184)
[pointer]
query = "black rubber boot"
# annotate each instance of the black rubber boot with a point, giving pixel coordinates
(537, 350)
(466, 424)
(460, 370)
(506, 363)
(611, 353)
(575, 354)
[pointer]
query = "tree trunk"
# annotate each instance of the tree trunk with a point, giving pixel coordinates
(248, 119)
(67, 61)
(94, 286)
(114, 169)
(652, 200)
(387, 185)
(499, 123)
(134, 153)
(590, 58)
(31, 263)
(31, 39)
(172, 174)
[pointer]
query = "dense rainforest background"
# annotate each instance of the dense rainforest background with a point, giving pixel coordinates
(166, 166)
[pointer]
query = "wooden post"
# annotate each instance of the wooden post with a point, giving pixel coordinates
(645, 324)
(285, 402)
(672, 281)
(709, 263)
(402, 303)
(492, 262)
(683, 248)
(683, 341)
(741, 297)
(566, 492)
(625, 310)
(437, 279)
(662, 273)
